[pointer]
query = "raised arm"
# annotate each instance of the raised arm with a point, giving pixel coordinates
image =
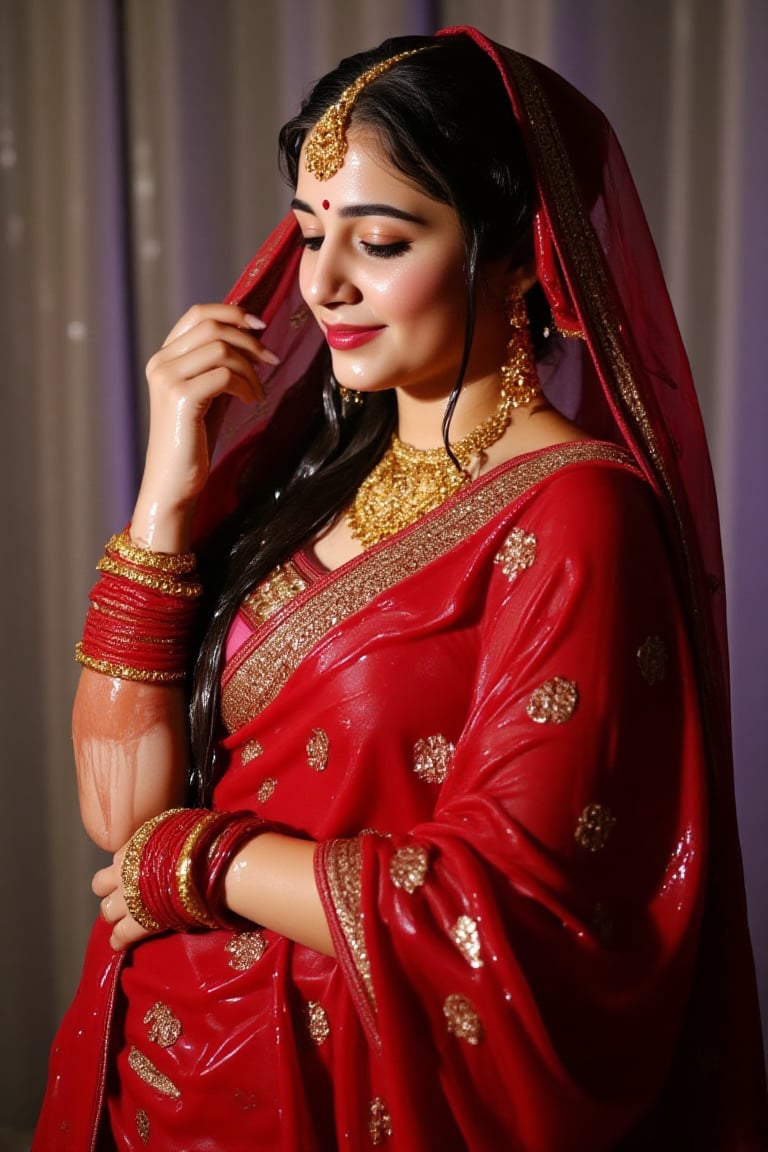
(130, 738)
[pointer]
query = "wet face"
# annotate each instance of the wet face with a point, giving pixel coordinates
(383, 273)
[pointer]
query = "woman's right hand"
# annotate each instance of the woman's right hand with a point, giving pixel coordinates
(214, 350)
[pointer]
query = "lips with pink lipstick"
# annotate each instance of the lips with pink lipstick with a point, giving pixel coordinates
(347, 336)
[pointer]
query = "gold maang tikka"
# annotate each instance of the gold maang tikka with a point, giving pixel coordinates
(326, 144)
(518, 372)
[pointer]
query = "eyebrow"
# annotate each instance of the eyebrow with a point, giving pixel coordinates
(356, 210)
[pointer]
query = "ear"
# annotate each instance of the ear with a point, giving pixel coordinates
(521, 278)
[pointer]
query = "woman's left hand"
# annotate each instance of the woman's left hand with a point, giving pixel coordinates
(108, 884)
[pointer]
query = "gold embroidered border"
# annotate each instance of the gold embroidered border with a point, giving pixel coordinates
(342, 861)
(570, 220)
(267, 665)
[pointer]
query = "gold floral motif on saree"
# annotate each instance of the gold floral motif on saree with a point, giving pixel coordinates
(463, 1020)
(652, 660)
(142, 1126)
(318, 747)
(466, 937)
(408, 867)
(146, 1071)
(165, 1028)
(266, 662)
(379, 1122)
(316, 1019)
(517, 553)
(266, 789)
(299, 318)
(251, 751)
(432, 758)
(594, 827)
(246, 949)
(553, 702)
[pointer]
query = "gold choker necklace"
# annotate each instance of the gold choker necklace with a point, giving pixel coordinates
(409, 482)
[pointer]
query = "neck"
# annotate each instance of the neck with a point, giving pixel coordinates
(420, 414)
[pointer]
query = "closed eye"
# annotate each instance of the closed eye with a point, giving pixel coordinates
(385, 251)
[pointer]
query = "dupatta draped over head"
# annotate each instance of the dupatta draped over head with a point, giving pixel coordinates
(697, 1078)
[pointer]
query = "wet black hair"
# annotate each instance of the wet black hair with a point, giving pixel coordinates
(443, 119)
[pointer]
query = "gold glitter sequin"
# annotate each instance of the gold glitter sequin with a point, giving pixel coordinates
(266, 789)
(517, 553)
(146, 1071)
(342, 863)
(408, 867)
(554, 701)
(317, 1021)
(594, 827)
(165, 1028)
(467, 939)
(251, 751)
(379, 1122)
(462, 1019)
(652, 660)
(264, 665)
(247, 948)
(432, 758)
(142, 1126)
(317, 750)
(277, 589)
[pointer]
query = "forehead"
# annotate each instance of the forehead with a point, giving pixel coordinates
(367, 175)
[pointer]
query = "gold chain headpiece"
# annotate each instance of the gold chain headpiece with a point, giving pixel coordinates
(326, 144)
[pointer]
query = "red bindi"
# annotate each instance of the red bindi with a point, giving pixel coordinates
(326, 204)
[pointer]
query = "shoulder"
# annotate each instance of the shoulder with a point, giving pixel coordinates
(596, 514)
(580, 488)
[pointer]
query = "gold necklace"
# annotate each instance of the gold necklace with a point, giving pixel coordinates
(409, 482)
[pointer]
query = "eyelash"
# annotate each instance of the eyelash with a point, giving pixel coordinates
(379, 251)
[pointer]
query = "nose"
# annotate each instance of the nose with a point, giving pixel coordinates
(327, 278)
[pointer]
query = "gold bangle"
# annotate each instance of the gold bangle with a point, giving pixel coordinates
(130, 869)
(169, 563)
(184, 588)
(125, 672)
(185, 884)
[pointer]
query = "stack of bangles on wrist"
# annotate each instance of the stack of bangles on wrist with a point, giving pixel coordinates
(175, 864)
(142, 613)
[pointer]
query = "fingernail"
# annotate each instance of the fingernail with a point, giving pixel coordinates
(254, 322)
(269, 357)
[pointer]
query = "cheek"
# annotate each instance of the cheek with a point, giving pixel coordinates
(412, 292)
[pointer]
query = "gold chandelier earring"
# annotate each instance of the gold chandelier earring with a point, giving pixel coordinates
(520, 380)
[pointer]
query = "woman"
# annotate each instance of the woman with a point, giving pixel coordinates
(461, 867)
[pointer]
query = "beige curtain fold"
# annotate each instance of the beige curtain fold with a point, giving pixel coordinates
(125, 196)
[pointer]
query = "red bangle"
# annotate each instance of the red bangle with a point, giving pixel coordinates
(178, 865)
(142, 614)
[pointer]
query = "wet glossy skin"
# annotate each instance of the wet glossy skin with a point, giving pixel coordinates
(383, 273)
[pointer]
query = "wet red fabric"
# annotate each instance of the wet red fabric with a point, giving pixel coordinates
(508, 730)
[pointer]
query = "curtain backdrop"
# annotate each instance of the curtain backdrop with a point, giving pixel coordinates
(137, 175)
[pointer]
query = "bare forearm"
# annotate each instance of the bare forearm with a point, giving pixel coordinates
(271, 881)
(131, 753)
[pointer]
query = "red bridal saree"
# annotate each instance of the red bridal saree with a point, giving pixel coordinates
(506, 728)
